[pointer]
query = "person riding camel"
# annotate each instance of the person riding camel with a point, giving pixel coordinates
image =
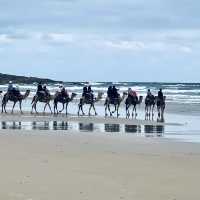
(132, 93)
(13, 90)
(109, 92)
(16, 91)
(149, 93)
(160, 95)
(10, 87)
(39, 87)
(90, 92)
(40, 92)
(115, 93)
(46, 91)
(85, 91)
(64, 93)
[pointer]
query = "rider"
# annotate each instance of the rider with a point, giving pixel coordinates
(85, 91)
(110, 92)
(131, 93)
(10, 87)
(39, 87)
(16, 91)
(40, 90)
(160, 95)
(90, 92)
(149, 93)
(64, 92)
(115, 93)
(46, 91)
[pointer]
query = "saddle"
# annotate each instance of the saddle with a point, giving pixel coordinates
(89, 97)
(14, 93)
(132, 100)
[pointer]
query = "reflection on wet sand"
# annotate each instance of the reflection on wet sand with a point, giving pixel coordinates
(112, 128)
(40, 126)
(86, 127)
(11, 125)
(148, 130)
(133, 129)
(60, 125)
(151, 130)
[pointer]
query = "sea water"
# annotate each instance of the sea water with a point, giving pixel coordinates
(182, 103)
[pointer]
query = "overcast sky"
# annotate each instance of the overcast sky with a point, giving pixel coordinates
(101, 40)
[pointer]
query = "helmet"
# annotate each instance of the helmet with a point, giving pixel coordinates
(10, 82)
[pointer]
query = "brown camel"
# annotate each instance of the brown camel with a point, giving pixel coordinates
(160, 108)
(116, 102)
(43, 99)
(91, 102)
(132, 101)
(10, 97)
(63, 100)
(150, 102)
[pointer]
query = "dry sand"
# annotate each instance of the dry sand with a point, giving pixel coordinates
(48, 165)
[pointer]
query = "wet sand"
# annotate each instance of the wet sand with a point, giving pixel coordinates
(42, 166)
(49, 165)
(83, 119)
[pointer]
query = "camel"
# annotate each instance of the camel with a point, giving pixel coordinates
(150, 102)
(63, 101)
(89, 101)
(10, 97)
(160, 108)
(116, 102)
(132, 101)
(43, 99)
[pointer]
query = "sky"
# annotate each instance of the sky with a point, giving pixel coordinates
(101, 40)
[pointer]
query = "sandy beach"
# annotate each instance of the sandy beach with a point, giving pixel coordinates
(49, 165)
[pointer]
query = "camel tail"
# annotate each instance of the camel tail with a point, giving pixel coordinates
(4, 99)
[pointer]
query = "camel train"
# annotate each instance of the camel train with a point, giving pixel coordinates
(113, 98)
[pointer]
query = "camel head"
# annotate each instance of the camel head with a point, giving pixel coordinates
(99, 96)
(26, 94)
(123, 96)
(73, 96)
(140, 99)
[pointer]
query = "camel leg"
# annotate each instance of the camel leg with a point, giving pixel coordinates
(4, 107)
(50, 108)
(109, 110)
(117, 111)
(44, 108)
(127, 111)
(55, 107)
(35, 107)
(13, 107)
(153, 111)
(20, 107)
(66, 108)
(62, 108)
(82, 109)
(145, 112)
(106, 107)
(134, 110)
(89, 113)
(94, 109)
(79, 109)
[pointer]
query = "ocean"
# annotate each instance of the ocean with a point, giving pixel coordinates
(178, 94)
(182, 103)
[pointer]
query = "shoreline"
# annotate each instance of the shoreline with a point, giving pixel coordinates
(83, 119)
